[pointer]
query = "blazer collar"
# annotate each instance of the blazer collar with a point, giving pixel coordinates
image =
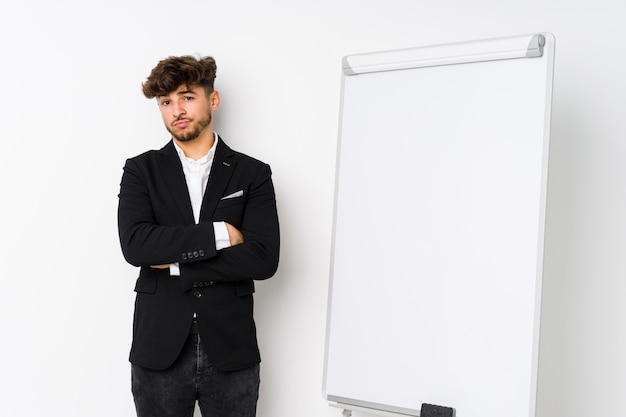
(224, 163)
(223, 166)
(174, 178)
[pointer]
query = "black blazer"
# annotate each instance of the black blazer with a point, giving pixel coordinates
(156, 226)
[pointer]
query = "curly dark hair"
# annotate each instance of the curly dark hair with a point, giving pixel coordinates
(172, 72)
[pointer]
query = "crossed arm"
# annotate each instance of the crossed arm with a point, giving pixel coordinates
(234, 235)
(151, 237)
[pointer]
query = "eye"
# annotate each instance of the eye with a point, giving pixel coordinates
(164, 102)
(188, 98)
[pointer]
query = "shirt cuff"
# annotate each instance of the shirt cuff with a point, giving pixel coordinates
(222, 239)
(175, 270)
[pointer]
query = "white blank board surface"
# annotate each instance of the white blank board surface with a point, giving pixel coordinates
(438, 231)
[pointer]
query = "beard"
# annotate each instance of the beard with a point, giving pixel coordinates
(194, 131)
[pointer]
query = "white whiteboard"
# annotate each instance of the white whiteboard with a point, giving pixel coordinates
(438, 228)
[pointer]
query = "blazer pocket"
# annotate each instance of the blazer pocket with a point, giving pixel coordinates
(146, 285)
(230, 202)
(233, 195)
(245, 288)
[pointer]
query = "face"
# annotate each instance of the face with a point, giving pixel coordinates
(187, 112)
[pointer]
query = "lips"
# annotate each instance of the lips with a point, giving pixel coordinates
(181, 123)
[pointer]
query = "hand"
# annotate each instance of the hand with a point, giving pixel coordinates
(236, 237)
(164, 266)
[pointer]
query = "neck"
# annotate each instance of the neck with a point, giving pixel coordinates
(198, 147)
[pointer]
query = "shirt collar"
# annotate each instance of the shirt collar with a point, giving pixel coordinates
(206, 158)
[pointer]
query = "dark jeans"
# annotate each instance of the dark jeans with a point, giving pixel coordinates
(174, 391)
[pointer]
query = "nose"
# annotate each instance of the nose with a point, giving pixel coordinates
(177, 110)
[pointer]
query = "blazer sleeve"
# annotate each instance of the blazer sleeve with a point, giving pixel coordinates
(147, 236)
(256, 258)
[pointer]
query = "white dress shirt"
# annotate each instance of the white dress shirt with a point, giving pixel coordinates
(197, 176)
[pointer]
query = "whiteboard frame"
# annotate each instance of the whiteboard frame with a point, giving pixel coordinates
(536, 45)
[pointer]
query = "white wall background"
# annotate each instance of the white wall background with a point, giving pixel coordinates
(71, 111)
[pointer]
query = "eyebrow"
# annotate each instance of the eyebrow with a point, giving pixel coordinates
(182, 93)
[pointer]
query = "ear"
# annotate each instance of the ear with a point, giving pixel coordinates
(214, 100)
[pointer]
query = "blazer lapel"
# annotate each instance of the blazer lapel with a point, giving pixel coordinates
(222, 169)
(175, 180)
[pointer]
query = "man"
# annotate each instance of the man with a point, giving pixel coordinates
(200, 221)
